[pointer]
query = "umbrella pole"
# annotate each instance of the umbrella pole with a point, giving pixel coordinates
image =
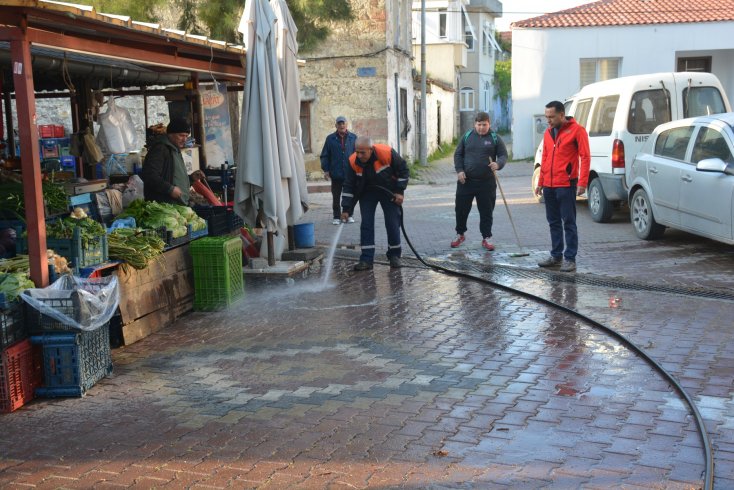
(271, 249)
(291, 238)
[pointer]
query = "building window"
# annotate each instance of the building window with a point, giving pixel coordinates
(467, 99)
(598, 69)
(468, 37)
(442, 23)
(404, 121)
(702, 63)
(306, 125)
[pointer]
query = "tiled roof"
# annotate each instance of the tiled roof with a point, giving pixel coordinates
(635, 12)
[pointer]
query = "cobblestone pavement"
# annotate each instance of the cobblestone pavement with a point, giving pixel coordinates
(409, 378)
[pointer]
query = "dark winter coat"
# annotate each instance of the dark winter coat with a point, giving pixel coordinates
(335, 157)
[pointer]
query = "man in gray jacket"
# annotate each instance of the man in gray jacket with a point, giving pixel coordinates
(478, 155)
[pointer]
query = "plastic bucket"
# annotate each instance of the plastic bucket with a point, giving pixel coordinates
(303, 235)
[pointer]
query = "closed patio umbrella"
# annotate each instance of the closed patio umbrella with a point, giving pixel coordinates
(267, 179)
(287, 47)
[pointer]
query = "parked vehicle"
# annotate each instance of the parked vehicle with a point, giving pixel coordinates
(684, 178)
(620, 114)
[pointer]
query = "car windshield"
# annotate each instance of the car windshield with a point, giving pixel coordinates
(702, 101)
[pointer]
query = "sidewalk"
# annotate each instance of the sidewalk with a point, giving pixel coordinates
(410, 378)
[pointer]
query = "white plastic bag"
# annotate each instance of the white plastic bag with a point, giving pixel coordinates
(118, 129)
(90, 302)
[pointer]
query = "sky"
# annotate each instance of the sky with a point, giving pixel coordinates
(514, 10)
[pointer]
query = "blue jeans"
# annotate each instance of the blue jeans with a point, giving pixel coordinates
(560, 211)
(368, 206)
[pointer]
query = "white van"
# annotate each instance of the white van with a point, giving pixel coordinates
(620, 114)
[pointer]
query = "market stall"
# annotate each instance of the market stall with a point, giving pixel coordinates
(79, 212)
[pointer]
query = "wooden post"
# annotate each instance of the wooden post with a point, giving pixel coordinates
(291, 238)
(271, 249)
(25, 100)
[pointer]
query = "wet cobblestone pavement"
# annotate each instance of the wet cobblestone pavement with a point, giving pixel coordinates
(406, 378)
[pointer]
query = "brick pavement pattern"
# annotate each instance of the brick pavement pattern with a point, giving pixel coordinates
(405, 378)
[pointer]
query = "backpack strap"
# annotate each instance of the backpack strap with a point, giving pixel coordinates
(494, 136)
(466, 135)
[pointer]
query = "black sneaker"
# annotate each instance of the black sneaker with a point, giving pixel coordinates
(395, 263)
(363, 266)
(568, 266)
(550, 262)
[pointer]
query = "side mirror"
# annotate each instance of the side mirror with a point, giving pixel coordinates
(715, 165)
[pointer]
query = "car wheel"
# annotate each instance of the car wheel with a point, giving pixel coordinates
(642, 218)
(601, 208)
(534, 184)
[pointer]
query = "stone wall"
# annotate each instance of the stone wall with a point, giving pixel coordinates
(351, 74)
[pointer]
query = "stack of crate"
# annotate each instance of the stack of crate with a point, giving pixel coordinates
(218, 279)
(73, 360)
(20, 363)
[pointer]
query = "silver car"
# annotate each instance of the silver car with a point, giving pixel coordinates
(684, 178)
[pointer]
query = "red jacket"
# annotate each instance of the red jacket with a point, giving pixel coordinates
(563, 157)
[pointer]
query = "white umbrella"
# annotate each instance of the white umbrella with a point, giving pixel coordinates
(288, 62)
(266, 161)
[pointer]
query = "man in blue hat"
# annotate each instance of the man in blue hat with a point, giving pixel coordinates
(338, 146)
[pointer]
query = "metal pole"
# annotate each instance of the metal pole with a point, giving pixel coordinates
(397, 114)
(422, 129)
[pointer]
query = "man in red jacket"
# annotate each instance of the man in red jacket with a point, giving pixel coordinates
(564, 174)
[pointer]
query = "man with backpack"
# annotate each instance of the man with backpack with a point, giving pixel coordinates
(478, 155)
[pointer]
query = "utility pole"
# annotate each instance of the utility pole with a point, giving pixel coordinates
(424, 139)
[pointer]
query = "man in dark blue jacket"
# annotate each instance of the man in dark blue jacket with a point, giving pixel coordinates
(376, 175)
(478, 155)
(338, 147)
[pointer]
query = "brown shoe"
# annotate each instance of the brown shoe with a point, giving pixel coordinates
(568, 266)
(550, 262)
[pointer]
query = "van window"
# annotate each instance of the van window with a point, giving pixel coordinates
(582, 111)
(648, 109)
(711, 144)
(603, 117)
(673, 142)
(702, 101)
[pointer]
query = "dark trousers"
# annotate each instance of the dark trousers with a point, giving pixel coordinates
(485, 192)
(336, 194)
(367, 206)
(560, 211)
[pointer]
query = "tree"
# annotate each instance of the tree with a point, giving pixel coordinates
(312, 17)
(503, 79)
(135, 9)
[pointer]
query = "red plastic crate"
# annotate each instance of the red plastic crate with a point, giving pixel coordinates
(59, 131)
(21, 373)
(45, 130)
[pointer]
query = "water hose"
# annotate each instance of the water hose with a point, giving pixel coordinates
(705, 441)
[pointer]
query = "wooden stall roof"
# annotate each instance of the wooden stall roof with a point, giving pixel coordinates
(128, 52)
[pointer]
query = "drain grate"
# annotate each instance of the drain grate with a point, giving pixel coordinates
(507, 271)
(587, 280)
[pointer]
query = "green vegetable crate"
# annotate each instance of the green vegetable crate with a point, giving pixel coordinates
(78, 255)
(218, 279)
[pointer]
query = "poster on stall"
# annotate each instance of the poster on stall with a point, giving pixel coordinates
(217, 131)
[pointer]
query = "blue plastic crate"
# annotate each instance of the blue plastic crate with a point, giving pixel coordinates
(73, 362)
(198, 234)
(12, 326)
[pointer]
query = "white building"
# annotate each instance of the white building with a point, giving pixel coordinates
(554, 55)
(476, 79)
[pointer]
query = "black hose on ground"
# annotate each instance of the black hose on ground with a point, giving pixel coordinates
(705, 441)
